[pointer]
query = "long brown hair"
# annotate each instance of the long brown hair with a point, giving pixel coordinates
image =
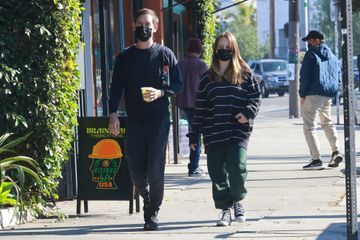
(238, 71)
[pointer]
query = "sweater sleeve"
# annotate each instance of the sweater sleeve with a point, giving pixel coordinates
(117, 85)
(306, 74)
(175, 81)
(253, 99)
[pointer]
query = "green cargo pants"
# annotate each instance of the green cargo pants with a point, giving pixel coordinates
(227, 170)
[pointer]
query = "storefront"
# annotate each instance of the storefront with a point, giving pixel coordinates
(107, 28)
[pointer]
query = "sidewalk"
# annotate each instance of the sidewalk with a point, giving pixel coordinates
(283, 201)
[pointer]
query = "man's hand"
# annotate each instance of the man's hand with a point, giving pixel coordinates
(151, 94)
(114, 124)
(241, 118)
(302, 100)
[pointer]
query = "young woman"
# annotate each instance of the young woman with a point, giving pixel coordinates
(227, 102)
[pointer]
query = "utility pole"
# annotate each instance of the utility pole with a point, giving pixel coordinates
(294, 44)
(335, 18)
(349, 119)
(272, 29)
(174, 109)
(306, 16)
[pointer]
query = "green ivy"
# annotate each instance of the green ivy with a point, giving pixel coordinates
(206, 26)
(39, 79)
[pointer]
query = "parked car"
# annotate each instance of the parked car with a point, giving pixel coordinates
(272, 75)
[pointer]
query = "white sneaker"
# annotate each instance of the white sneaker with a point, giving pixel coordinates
(239, 212)
(224, 218)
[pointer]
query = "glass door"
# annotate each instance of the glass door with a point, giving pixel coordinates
(106, 46)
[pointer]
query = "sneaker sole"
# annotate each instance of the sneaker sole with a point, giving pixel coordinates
(223, 224)
(240, 219)
(147, 228)
(196, 175)
(336, 162)
(314, 168)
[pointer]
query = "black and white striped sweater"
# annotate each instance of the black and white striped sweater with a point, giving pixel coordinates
(217, 104)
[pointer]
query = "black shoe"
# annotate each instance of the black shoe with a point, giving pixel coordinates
(336, 158)
(150, 217)
(314, 165)
(151, 224)
(239, 212)
(225, 218)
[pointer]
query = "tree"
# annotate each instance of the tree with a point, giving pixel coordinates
(206, 26)
(242, 23)
(39, 41)
(326, 25)
(356, 31)
(355, 4)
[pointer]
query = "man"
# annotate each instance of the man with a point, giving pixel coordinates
(145, 65)
(319, 82)
(191, 68)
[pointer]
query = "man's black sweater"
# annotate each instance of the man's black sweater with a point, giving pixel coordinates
(136, 68)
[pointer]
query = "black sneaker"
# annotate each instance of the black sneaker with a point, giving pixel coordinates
(336, 158)
(239, 212)
(151, 222)
(224, 218)
(314, 165)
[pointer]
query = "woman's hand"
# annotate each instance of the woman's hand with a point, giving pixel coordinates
(241, 118)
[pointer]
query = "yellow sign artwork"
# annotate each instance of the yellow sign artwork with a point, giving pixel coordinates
(106, 159)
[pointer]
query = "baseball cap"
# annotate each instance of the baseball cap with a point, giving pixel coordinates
(314, 34)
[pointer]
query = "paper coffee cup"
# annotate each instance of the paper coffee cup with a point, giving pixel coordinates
(144, 91)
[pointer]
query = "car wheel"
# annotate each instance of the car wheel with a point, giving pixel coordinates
(263, 90)
(281, 93)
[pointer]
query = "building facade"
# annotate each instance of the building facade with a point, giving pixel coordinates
(107, 28)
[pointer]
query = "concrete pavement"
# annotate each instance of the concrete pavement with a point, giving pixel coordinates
(283, 201)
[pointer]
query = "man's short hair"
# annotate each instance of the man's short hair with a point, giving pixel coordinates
(148, 11)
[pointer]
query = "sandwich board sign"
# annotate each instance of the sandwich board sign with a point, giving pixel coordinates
(102, 169)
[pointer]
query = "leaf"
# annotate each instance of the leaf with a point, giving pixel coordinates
(16, 141)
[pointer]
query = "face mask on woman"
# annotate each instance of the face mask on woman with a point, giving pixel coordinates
(224, 54)
(143, 33)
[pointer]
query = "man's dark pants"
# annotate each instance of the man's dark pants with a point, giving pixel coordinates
(145, 146)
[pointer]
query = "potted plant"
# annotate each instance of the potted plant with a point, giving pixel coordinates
(16, 174)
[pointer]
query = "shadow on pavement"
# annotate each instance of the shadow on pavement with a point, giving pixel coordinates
(335, 231)
(104, 229)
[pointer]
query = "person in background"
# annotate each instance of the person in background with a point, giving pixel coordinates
(148, 74)
(191, 69)
(320, 76)
(227, 103)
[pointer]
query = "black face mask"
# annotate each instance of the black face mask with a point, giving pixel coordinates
(143, 33)
(224, 54)
(309, 45)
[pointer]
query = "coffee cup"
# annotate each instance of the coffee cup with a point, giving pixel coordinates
(145, 93)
